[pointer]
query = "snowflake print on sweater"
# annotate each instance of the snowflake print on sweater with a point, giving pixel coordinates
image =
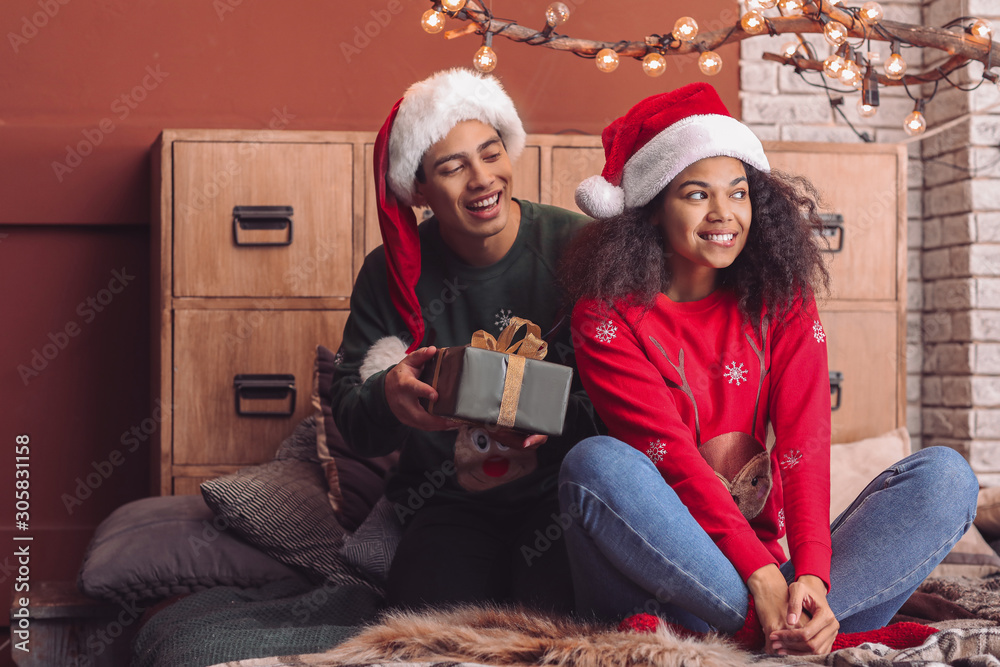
(818, 332)
(606, 332)
(790, 460)
(781, 518)
(657, 450)
(735, 373)
(502, 319)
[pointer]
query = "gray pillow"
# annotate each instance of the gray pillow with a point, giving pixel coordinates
(371, 548)
(153, 548)
(281, 507)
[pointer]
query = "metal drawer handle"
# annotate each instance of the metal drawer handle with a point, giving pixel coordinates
(833, 226)
(251, 218)
(261, 387)
(836, 382)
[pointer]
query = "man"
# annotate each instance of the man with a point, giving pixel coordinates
(480, 512)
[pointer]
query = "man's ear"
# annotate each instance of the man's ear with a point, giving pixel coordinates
(418, 195)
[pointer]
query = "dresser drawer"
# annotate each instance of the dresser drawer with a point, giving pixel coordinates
(211, 348)
(570, 165)
(864, 190)
(864, 345)
(215, 256)
(189, 486)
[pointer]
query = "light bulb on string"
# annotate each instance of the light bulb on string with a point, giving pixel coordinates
(833, 66)
(895, 67)
(556, 14)
(654, 64)
(485, 59)
(981, 28)
(868, 104)
(835, 32)
(710, 63)
(453, 5)
(754, 5)
(872, 13)
(685, 29)
(915, 123)
(768, 4)
(607, 60)
(851, 74)
(790, 49)
(866, 110)
(432, 21)
(753, 23)
(790, 7)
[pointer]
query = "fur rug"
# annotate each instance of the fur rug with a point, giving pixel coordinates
(981, 596)
(502, 636)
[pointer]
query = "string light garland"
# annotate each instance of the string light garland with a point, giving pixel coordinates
(965, 39)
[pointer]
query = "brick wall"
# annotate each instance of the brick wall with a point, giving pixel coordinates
(961, 264)
(953, 267)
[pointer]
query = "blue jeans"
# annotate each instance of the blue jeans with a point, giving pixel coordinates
(634, 547)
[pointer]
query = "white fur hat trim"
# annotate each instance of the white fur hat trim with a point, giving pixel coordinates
(430, 108)
(383, 353)
(682, 144)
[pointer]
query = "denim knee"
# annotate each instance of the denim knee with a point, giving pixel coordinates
(598, 458)
(947, 475)
(604, 465)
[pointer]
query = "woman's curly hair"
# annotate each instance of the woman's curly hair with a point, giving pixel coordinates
(624, 257)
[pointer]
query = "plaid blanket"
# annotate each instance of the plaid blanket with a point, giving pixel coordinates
(967, 647)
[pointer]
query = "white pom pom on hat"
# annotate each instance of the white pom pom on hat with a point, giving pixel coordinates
(659, 138)
(600, 199)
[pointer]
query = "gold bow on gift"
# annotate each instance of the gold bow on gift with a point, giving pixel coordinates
(530, 347)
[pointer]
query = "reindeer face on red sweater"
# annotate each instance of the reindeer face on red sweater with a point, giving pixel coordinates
(743, 465)
(483, 462)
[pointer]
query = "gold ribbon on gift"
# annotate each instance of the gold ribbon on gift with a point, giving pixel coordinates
(530, 347)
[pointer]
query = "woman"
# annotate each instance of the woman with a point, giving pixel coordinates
(696, 331)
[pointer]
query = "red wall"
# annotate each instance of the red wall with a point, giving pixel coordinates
(102, 77)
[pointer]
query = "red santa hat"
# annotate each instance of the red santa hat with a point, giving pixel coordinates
(656, 140)
(424, 116)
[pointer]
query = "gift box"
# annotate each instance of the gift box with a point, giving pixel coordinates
(498, 384)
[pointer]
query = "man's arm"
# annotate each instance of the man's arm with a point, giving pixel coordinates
(360, 409)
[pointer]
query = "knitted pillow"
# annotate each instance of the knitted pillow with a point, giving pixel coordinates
(281, 508)
(355, 482)
(153, 548)
(371, 548)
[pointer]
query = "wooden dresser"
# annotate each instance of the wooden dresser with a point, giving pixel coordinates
(258, 236)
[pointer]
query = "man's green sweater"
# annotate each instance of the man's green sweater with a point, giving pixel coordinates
(456, 300)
